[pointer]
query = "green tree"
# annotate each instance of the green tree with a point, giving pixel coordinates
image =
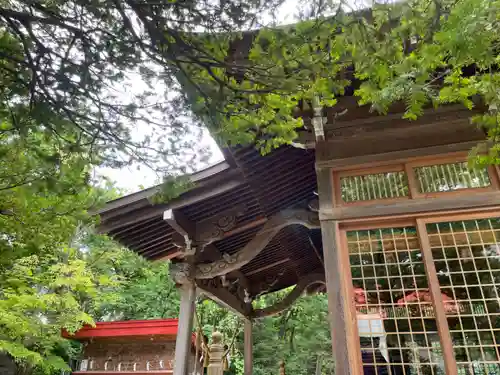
(69, 57)
(300, 336)
(44, 195)
(145, 289)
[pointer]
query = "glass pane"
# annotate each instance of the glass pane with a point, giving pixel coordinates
(374, 186)
(396, 320)
(469, 275)
(449, 177)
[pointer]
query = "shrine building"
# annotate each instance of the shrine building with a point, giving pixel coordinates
(380, 213)
(124, 347)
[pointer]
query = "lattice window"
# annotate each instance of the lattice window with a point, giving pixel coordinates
(374, 186)
(467, 260)
(450, 177)
(396, 319)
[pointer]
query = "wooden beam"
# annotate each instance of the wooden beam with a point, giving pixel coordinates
(112, 222)
(404, 138)
(172, 219)
(253, 224)
(303, 284)
(384, 121)
(389, 158)
(437, 300)
(222, 225)
(414, 207)
(168, 256)
(216, 225)
(243, 256)
(145, 194)
(224, 298)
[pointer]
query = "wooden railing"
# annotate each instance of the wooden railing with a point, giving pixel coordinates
(88, 364)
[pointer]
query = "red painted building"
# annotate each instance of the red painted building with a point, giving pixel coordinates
(141, 347)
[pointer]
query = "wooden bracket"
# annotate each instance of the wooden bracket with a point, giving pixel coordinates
(229, 263)
(303, 284)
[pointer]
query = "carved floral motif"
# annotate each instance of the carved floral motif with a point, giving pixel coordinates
(215, 227)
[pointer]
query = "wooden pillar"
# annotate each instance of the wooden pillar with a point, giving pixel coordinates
(215, 366)
(248, 348)
(183, 342)
(342, 314)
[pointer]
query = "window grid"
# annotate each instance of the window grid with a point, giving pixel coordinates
(450, 177)
(388, 290)
(374, 186)
(413, 180)
(464, 244)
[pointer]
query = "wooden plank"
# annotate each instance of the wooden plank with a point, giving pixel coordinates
(396, 167)
(342, 315)
(437, 300)
(404, 138)
(326, 193)
(248, 348)
(389, 158)
(416, 207)
(463, 216)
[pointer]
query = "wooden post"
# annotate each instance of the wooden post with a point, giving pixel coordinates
(216, 354)
(342, 315)
(183, 342)
(343, 318)
(248, 348)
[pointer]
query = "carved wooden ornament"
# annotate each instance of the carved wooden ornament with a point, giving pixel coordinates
(281, 220)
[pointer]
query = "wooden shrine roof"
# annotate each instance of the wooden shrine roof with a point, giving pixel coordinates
(233, 200)
(249, 190)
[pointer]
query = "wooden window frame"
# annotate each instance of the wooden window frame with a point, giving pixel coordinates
(428, 162)
(397, 167)
(408, 166)
(428, 259)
